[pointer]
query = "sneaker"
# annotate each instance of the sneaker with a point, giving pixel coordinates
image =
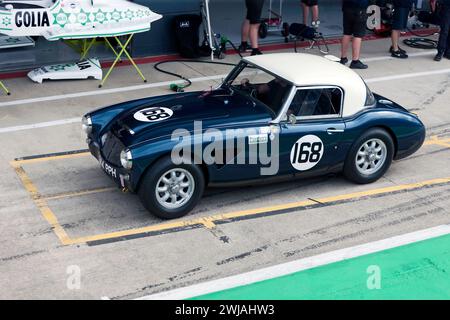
(447, 55)
(438, 57)
(315, 24)
(256, 52)
(357, 64)
(398, 54)
(244, 47)
(343, 61)
(391, 50)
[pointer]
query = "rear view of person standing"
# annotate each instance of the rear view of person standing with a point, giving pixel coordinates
(400, 22)
(314, 6)
(444, 36)
(250, 27)
(355, 22)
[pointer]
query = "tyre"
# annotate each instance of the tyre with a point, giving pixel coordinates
(263, 30)
(370, 157)
(171, 191)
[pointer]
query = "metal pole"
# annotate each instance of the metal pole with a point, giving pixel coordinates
(210, 35)
(4, 88)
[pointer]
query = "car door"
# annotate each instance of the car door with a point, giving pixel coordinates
(311, 131)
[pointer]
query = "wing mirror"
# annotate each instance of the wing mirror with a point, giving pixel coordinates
(292, 119)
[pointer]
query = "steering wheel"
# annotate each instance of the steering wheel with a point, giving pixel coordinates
(249, 87)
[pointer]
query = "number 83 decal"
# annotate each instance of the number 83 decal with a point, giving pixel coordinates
(307, 153)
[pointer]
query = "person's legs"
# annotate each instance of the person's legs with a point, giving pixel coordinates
(245, 31)
(359, 31)
(400, 21)
(395, 38)
(356, 48)
(346, 40)
(254, 35)
(315, 13)
(305, 14)
(444, 38)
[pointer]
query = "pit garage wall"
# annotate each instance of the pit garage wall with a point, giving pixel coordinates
(227, 16)
(160, 39)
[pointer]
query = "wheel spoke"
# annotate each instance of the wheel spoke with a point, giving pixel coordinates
(181, 177)
(163, 189)
(165, 197)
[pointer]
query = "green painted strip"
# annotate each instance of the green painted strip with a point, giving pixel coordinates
(417, 271)
(5, 29)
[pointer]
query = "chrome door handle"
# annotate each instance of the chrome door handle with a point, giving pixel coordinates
(334, 131)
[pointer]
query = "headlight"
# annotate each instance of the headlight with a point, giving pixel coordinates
(126, 159)
(86, 124)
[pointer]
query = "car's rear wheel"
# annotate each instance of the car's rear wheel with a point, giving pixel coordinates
(370, 157)
(171, 191)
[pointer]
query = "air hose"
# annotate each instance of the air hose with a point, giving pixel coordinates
(421, 41)
(180, 87)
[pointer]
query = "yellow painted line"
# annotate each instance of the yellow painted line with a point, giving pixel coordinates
(438, 143)
(42, 205)
(126, 233)
(52, 158)
(209, 221)
(77, 194)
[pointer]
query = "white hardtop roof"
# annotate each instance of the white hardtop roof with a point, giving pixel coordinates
(309, 70)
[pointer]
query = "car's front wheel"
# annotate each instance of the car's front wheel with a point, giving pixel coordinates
(370, 157)
(171, 191)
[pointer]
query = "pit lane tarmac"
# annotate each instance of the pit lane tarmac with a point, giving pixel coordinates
(70, 197)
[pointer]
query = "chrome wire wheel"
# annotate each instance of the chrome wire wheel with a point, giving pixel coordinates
(371, 157)
(175, 188)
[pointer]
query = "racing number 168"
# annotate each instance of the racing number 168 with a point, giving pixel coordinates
(307, 152)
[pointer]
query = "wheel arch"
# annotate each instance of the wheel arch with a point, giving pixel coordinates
(391, 133)
(203, 167)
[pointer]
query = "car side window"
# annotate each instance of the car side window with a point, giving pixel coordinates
(316, 102)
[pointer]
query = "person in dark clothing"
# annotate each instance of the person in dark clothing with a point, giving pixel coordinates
(444, 37)
(314, 6)
(400, 22)
(355, 21)
(250, 27)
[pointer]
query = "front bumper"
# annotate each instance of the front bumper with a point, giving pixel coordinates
(118, 174)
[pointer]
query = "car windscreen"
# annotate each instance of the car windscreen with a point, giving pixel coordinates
(260, 86)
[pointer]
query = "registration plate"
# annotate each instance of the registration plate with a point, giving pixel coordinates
(108, 169)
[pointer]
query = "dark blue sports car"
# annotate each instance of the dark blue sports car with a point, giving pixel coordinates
(274, 115)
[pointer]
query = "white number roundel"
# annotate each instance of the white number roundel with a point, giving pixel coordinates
(153, 114)
(307, 153)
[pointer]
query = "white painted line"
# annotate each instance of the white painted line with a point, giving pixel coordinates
(409, 75)
(299, 265)
(40, 125)
(411, 55)
(68, 121)
(100, 92)
(151, 85)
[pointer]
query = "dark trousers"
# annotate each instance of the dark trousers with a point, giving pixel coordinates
(444, 38)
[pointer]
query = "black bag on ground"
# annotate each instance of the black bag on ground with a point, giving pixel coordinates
(300, 30)
(186, 30)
